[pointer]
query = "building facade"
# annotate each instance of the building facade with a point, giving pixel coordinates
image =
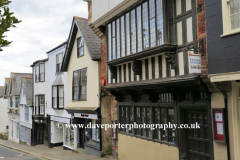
(26, 110)
(13, 94)
(40, 94)
(82, 62)
(154, 60)
(3, 113)
(57, 99)
(223, 70)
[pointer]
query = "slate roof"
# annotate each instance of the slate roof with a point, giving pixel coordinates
(15, 82)
(92, 41)
(28, 84)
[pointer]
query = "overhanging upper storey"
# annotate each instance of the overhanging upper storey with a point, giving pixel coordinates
(146, 27)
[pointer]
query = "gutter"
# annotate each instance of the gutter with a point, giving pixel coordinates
(225, 117)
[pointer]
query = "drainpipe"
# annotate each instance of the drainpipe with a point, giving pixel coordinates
(225, 117)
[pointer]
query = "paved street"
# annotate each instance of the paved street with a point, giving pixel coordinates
(14, 151)
(9, 154)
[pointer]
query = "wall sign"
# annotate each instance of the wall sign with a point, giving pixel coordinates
(218, 125)
(194, 61)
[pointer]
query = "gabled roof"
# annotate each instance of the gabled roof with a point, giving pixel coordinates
(15, 82)
(28, 84)
(55, 48)
(6, 87)
(38, 61)
(92, 41)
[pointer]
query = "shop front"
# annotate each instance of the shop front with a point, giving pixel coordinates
(40, 130)
(13, 132)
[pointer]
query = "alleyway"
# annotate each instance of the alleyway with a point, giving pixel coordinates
(22, 152)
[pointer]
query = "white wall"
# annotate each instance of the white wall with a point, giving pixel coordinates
(101, 7)
(51, 78)
(41, 87)
(13, 119)
(3, 114)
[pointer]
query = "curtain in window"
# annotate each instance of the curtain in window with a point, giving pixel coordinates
(37, 73)
(60, 92)
(42, 78)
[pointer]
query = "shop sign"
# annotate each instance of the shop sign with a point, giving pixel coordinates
(194, 61)
(60, 119)
(84, 115)
(218, 124)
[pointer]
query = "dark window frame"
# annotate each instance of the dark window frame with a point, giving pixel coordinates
(58, 107)
(79, 47)
(39, 73)
(58, 65)
(79, 86)
(39, 113)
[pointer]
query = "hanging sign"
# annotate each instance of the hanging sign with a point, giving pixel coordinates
(218, 124)
(194, 61)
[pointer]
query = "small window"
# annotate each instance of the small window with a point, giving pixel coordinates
(57, 97)
(11, 102)
(80, 85)
(40, 72)
(80, 45)
(39, 105)
(26, 113)
(59, 62)
(16, 102)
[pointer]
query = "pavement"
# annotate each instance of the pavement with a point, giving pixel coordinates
(8, 154)
(42, 152)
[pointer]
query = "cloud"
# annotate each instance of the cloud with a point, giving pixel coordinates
(45, 24)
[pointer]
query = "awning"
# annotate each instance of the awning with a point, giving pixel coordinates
(87, 110)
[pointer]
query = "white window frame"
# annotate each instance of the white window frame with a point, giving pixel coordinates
(226, 19)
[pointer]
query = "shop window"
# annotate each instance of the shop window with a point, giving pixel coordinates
(92, 135)
(147, 116)
(17, 130)
(79, 90)
(69, 137)
(58, 97)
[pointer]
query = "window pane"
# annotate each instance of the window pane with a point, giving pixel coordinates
(145, 26)
(109, 42)
(149, 121)
(171, 130)
(144, 121)
(179, 33)
(54, 98)
(118, 38)
(234, 7)
(128, 33)
(133, 31)
(16, 102)
(123, 36)
(235, 21)
(83, 84)
(139, 28)
(160, 37)
(164, 121)
(157, 121)
(42, 72)
(41, 104)
(189, 30)
(131, 121)
(36, 101)
(61, 96)
(188, 5)
(113, 41)
(127, 119)
(75, 85)
(37, 73)
(179, 7)
(138, 119)
(152, 23)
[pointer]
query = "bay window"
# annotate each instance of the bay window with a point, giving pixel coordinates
(79, 90)
(39, 104)
(58, 97)
(40, 72)
(137, 30)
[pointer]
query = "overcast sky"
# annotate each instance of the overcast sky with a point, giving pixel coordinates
(45, 24)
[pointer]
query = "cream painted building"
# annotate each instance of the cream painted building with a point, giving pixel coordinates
(82, 64)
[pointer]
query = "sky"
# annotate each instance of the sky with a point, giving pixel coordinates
(45, 24)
